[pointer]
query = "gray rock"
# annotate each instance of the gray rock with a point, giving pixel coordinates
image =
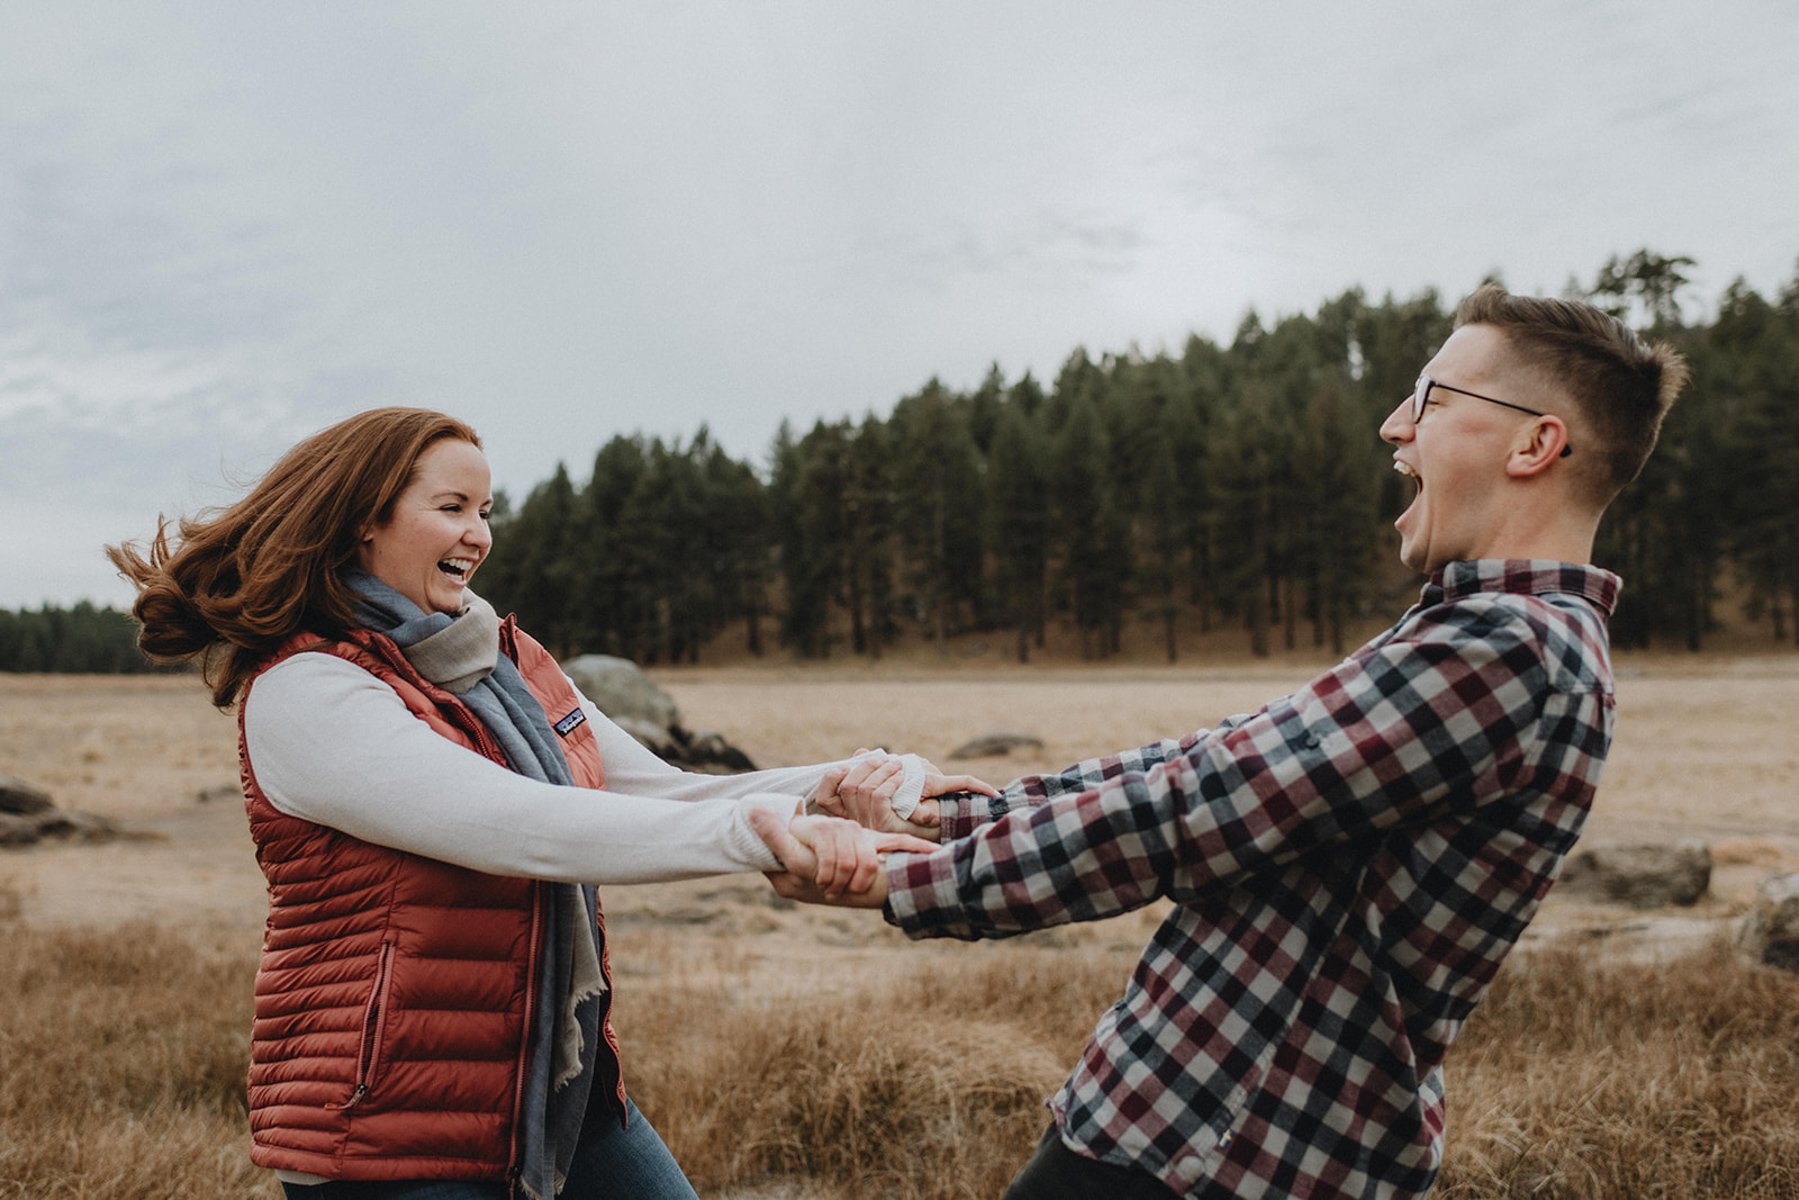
(710, 749)
(620, 689)
(646, 712)
(17, 796)
(18, 831)
(992, 745)
(706, 752)
(76, 826)
(653, 737)
(1770, 931)
(1643, 876)
(55, 824)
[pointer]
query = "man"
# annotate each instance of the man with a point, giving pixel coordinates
(1352, 863)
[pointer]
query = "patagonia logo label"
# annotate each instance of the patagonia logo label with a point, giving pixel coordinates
(571, 722)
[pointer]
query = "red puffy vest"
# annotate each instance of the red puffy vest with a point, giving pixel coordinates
(394, 999)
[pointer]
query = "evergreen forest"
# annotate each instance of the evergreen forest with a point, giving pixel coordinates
(1133, 497)
(1139, 495)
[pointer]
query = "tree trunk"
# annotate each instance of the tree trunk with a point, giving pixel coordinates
(939, 560)
(1258, 595)
(1289, 616)
(1695, 613)
(752, 628)
(858, 629)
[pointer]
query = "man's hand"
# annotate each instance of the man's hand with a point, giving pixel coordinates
(828, 860)
(863, 792)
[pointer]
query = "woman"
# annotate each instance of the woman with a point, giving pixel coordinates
(432, 1007)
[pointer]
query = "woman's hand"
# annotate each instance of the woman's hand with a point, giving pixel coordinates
(827, 860)
(863, 792)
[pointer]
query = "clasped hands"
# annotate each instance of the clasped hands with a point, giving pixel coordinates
(834, 856)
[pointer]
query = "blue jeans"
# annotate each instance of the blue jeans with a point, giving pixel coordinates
(610, 1163)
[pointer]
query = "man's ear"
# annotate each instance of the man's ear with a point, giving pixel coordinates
(1538, 446)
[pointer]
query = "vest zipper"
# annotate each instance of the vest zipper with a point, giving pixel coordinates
(514, 1167)
(489, 746)
(374, 1025)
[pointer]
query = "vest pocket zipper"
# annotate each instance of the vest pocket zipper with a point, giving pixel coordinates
(374, 1022)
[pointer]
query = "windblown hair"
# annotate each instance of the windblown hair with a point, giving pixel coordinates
(1621, 385)
(238, 582)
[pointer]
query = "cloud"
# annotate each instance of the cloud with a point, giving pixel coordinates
(223, 226)
(1064, 250)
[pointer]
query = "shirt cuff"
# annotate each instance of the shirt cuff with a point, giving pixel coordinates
(961, 813)
(921, 896)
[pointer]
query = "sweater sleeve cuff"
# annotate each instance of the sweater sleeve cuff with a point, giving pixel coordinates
(751, 850)
(911, 788)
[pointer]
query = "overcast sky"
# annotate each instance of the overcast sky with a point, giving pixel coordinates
(224, 226)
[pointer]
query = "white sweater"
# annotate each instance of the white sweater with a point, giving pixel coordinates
(330, 743)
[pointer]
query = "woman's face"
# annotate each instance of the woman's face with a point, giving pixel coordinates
(438, 534)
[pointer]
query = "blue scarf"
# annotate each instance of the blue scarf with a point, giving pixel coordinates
(455, 652)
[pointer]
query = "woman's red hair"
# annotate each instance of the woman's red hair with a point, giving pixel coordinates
(238, 583)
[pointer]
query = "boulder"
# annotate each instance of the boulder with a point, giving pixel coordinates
(1770, 931)
(1642, 876)
(16, 830)
(993, 745)
(710, 750)
(76, 826)
(707, 752)
(28, 816)
(619, 688)
(625, 694)
(55, 824)
(654, 738)
(21, 798)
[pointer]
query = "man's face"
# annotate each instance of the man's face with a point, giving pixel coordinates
(1456, 452)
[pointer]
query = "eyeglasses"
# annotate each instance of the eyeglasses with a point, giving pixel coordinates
(1421, 397)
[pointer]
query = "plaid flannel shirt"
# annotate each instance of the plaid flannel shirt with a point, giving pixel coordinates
(1351, 865)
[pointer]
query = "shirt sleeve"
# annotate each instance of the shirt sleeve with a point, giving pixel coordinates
(963, 812)
(330, 743)
(1435, 718)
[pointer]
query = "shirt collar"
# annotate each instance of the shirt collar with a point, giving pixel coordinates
(1526, 576)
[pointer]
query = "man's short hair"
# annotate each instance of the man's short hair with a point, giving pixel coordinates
(1622, 385)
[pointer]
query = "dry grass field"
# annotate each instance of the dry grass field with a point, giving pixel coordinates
(794, 1054)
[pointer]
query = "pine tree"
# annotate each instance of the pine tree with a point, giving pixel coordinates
(1085, 512)
(1019, 491)
(870, 507)
(941, 497)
